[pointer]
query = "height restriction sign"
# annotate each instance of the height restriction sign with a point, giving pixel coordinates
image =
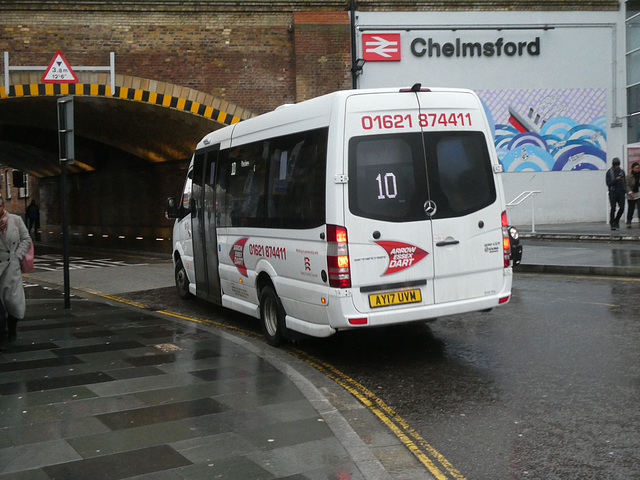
(59, 71)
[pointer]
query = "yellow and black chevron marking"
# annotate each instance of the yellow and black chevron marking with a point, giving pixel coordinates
(90, 89)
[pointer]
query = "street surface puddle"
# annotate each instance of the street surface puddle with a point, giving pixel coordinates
(167, 347)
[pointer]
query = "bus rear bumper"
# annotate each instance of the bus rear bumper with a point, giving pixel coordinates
(346, 316)
(341, 314)
(308, 328)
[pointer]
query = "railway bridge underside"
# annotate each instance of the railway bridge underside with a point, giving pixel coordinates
(133, 142)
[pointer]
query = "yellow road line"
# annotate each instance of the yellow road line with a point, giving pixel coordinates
(427, 455)
(423, 451)
(205, 321)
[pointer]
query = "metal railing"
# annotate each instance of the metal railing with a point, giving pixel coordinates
(521, 198)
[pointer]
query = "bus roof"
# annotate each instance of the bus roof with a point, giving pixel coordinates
(306, 115)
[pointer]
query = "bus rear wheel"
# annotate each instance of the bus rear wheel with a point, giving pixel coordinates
(272, 316)
(182, 281)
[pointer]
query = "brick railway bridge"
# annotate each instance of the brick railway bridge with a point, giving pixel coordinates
(182, 69)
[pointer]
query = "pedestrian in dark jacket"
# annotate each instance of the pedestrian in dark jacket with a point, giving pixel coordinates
(633, 192)
(33, 217)
(617, 190)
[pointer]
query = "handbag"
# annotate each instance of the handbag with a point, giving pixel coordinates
(26, 264)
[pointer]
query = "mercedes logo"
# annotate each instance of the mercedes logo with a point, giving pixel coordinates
(430, 208)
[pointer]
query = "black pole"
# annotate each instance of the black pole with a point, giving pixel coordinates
(354, 75)
(66, 147)
(65, 239)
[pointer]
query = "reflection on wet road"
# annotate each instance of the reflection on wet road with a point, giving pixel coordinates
(55, 262)
(625, 257)
(545, 387)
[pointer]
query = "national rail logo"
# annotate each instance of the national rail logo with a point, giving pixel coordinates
(381, 47)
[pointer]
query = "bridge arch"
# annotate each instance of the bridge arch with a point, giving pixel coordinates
(132, 148)
(130, 88)
(151, 120)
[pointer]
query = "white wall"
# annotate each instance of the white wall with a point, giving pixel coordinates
(578, 50)
(566, 197)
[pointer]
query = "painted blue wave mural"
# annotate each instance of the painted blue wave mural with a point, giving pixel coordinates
(562, 144)
(565, 130)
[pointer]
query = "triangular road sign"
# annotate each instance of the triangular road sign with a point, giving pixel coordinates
(59, 71)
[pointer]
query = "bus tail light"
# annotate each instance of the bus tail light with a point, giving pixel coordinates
(358, 321)
(506, 241)
(338, 257)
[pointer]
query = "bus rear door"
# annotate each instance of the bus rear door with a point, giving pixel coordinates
(389, 234)
(464, 199)
(423, 215)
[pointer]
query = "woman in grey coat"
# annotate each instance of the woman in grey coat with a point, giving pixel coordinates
(14, 242)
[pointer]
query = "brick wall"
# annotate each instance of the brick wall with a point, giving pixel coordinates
(258, 59)
(257, 54)
(247, 59)
(322, 49)
(14, 198)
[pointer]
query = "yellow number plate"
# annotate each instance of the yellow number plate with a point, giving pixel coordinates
(394, 298)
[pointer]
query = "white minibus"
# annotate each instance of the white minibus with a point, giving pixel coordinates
(357, 209)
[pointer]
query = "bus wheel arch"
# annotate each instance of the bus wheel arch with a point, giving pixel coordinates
(271, 313)
(181, 279)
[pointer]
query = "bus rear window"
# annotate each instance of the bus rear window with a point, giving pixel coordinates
(390, 180)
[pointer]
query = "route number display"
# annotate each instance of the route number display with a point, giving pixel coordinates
(387, 186)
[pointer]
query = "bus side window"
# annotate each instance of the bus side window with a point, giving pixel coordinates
(277, 183)
(307, 193)
(223, 213)
(245, 185)
(296, 185)
(185, 205)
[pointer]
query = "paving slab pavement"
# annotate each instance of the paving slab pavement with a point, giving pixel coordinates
(581, 249)
(104, 390)
(108, 391)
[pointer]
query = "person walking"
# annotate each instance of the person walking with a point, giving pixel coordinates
(33, 217)
(616, 183)
(14, 243)
(633, 195)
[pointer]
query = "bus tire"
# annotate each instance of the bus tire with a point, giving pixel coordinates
(272, 316)
(182, 281)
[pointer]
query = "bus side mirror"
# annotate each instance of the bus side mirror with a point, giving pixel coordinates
(171, 212)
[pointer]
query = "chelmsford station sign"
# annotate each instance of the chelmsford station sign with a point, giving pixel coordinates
(381, 47)
(421, 47)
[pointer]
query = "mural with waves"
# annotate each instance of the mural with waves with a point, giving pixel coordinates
(548, 130)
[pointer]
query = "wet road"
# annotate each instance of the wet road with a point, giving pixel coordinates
(546, 387)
